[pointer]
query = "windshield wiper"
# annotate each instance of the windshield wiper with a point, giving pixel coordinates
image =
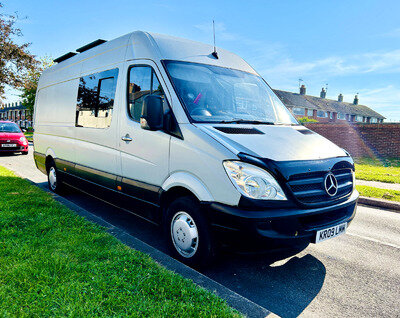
(245, 121)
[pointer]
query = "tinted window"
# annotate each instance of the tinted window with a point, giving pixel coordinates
(142, 82)
(96, 99)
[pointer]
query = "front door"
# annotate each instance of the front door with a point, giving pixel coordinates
(144, 154)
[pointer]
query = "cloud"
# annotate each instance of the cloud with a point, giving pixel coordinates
(377, 62)
(395, 33)
(220, 30)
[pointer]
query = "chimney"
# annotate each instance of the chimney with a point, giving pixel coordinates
(355, 102)
(323, 93)
(340, 98)
(303, 90)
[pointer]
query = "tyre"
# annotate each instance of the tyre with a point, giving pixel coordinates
(188, 233)
(25, 153)
(54, 179)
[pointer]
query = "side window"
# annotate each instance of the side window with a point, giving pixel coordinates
(142, 82)
(96, 99)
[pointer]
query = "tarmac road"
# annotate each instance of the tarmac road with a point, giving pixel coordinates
(356, 274)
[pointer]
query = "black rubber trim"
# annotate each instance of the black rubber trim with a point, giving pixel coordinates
(135, 189)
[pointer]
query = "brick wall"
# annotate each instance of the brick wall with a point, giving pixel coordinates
(362, 140)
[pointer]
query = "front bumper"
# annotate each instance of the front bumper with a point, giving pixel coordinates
(18, 148)
(277, 226)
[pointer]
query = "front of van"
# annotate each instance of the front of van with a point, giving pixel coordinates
(295, 186)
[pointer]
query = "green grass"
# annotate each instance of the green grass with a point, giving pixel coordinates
(372, 192)
(55, 263)
(387, 170)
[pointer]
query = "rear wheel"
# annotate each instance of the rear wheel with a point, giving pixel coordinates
(53, 178)
(188, 234)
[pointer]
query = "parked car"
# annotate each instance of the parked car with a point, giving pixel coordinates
(12, 138)
(192, 139)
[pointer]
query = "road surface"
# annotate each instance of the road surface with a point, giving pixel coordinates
(357, 274)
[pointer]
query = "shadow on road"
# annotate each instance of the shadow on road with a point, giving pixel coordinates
(282, 284)
(285, 286)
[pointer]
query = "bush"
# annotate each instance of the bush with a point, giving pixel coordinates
(303, 120)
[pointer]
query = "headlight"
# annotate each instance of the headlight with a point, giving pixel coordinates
(253, 182)
(23, 140)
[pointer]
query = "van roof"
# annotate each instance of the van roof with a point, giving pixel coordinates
(142, 45)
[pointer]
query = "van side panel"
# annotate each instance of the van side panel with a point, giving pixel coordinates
(54, 119)
(97, 153)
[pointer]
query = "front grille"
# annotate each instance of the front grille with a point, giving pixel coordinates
(310, 187)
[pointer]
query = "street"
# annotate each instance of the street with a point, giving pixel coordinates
(356, 274)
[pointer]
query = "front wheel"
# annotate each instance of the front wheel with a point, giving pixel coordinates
(188, 234)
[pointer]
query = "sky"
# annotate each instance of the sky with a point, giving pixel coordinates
(349, 46)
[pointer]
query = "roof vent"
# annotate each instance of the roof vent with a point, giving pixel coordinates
(90, 45)
(64, 57)
(240, 130)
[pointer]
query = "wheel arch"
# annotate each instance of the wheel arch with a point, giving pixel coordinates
(50, 156)
(184, 182)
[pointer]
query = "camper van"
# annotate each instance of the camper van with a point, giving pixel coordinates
(193, 139)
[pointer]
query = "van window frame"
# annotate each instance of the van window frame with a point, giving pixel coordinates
(177, 133)
(151, 86)
(117, 69)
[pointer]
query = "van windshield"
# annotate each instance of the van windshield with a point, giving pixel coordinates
(217, 94)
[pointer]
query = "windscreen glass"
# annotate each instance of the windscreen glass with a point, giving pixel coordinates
(218, 94)
(9, 128)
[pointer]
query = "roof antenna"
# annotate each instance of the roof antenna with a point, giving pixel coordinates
(215, 50)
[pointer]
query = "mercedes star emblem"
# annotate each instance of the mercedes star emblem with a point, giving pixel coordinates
(331, 185)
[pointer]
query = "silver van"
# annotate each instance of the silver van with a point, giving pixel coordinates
(191, 139)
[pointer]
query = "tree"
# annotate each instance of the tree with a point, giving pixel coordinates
(30, 82)
(15, 59)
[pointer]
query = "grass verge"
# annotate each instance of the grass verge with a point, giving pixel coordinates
(55, 263)
(387, 170)
(372, 192)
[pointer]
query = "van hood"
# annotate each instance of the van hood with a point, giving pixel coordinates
(275, 142)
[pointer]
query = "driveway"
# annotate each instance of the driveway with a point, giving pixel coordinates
(357, 274)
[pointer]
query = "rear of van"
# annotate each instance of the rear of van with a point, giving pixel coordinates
(194, 141)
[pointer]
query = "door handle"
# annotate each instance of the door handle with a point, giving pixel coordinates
(126, 138)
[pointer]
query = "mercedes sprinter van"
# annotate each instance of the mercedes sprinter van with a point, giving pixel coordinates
(191, 139)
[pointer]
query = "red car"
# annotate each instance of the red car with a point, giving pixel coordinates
(12, 138)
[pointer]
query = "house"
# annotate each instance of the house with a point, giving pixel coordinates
(17, 113)
(327, 110)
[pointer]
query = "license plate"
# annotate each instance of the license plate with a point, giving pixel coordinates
(330, 232)
(9, 145)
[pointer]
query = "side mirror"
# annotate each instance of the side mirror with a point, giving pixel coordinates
(153, 113)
